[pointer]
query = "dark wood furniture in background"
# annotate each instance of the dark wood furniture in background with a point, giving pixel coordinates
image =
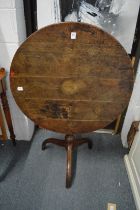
(71, 78)
(132, 132)
(6, 109)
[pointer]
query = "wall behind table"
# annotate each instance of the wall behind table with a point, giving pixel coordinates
(12, 34)
(48, 12)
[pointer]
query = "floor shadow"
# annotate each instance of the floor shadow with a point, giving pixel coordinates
(74, 164)
(10, 155)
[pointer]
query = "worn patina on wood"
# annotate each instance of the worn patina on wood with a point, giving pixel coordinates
(71, 85)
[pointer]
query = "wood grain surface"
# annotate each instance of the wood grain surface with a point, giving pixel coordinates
(71, 85)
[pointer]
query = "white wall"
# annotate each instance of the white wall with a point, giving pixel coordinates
(133, 111)
(48, 12)
(12, 34)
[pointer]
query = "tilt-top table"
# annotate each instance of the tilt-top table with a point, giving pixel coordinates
(71, 78)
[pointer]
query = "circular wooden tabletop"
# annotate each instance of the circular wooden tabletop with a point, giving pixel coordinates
(71, 77)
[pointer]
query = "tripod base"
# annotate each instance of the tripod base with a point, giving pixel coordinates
(69, 143)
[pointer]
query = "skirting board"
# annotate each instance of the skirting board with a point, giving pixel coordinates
(132, 182)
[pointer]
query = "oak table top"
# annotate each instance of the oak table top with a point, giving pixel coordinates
(71, 78)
